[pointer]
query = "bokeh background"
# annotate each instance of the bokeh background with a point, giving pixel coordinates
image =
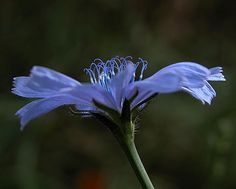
(183, 144)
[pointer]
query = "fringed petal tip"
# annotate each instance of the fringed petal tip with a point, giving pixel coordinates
(42, 83)
(14, 90)
(205, 94)
(187, 76)
(216, 74)
(18, 85)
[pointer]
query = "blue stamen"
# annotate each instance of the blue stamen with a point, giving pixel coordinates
(143, 68)
(91, 75)
(102, 72)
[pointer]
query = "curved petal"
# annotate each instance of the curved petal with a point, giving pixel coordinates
(81, 96)
(43, 106)
(172, 78)
(187, 76)
(204, 94)
(42, 82)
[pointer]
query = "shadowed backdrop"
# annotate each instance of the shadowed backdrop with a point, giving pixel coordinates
(183, 144)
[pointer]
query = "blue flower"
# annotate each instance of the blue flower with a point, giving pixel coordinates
(112, 83)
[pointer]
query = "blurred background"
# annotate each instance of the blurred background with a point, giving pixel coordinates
(183, 144)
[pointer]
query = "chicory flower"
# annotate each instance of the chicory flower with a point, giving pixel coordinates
(112, 84)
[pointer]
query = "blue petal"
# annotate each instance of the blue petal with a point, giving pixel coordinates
(187, 76)
(207, 93)
(43, 82)
(89, 92)
(172, 78)
(119, 84)
(43, 106)
(204, 94)
(81, 96)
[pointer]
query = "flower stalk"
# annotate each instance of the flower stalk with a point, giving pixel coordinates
(128, 146)
(125, 136)
(123, 129)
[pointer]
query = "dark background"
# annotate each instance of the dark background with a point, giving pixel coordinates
(183, 144)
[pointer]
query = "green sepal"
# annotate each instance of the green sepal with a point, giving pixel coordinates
(126, 112)
(134, 96)
(145, 100)
(78, 112)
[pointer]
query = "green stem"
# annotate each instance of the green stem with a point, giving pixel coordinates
(131, 152)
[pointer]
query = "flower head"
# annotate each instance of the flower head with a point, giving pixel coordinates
(115, 86)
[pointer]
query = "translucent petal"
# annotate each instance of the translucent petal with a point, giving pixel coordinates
(48, 78)
(90, 92)
(81, 96)
(22, 88)
(42, 82)
(172, 78)
(187, 76)
(43, 106)
(204, 94)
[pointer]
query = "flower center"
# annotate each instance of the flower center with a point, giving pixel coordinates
(102, 72)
